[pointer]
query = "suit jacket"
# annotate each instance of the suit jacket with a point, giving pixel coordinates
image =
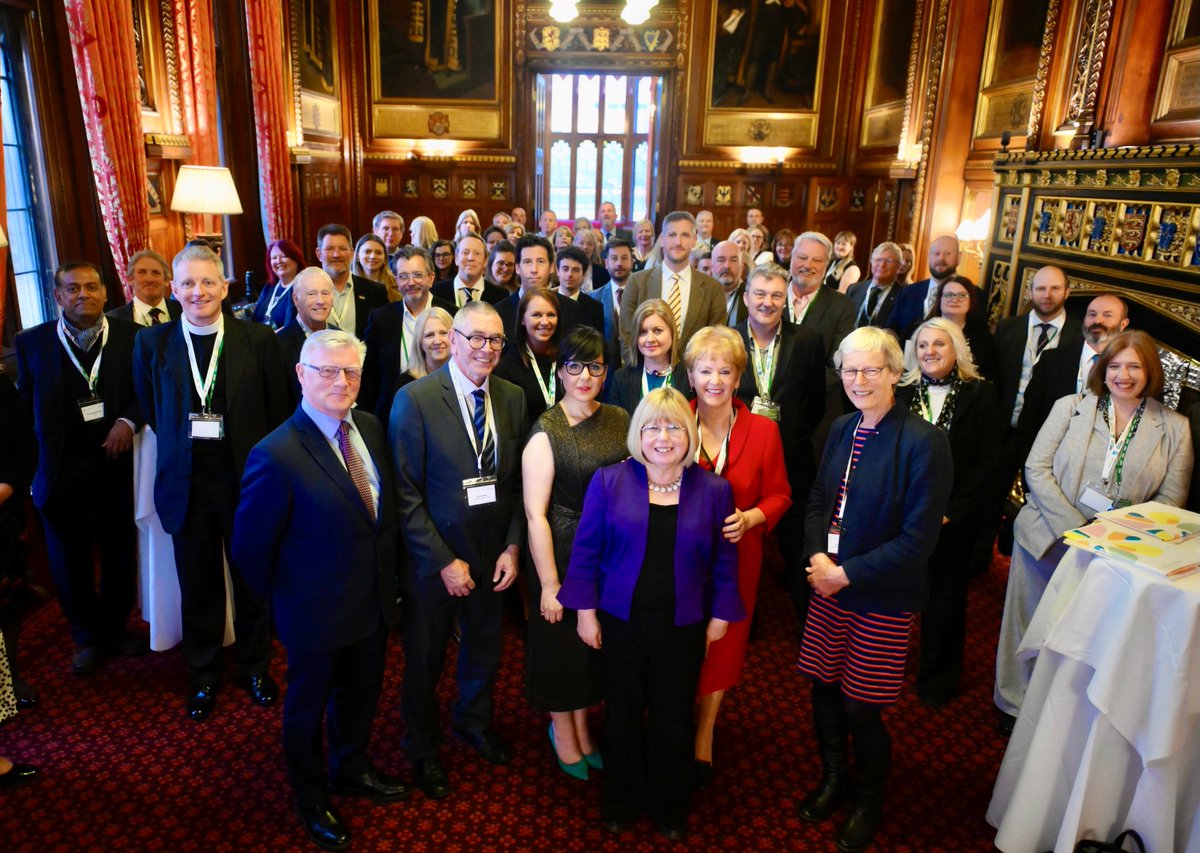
(444, 289)
(432, 455)
(511, 368)
(798, 386)
(291, 340)
(611, 327)
(706, 306)
(368, 295)
(306, 542)
(883, 312)
(1053, 377)
(40, 381)
(1012, 336)
(125, 312)
(622, 233)
(909, 310)
(893, 513)
(610, 545)
(256, 396)
(832, 315)
(740, 311)
(18, 450)
(1069, 453)
(381, 368)
(591, 313)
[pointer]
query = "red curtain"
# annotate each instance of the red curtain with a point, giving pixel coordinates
(106, 70)
(198, 86)
(264, 26)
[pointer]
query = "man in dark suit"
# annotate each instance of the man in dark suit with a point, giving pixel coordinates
(785, 381)
(150, 278)
(915, 305)
(698, 299)
(535, 266)
(312, 295)
(316, 531)
(471, 257)
(211, 387)
(728, 269)
(456, 440)
(391, 331)
(572, 264)
(74, 375)
(875, 298)
(618, 260)
(354, 297)
(608, 224)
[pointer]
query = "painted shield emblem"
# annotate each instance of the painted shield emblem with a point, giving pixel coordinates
(1072, 223)
(1133, 233)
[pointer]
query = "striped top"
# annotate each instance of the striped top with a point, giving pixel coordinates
(861, 434)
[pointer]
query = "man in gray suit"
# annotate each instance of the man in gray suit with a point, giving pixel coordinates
(456, 439)
(697, 299)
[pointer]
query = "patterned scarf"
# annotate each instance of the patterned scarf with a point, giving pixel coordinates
(921, 405)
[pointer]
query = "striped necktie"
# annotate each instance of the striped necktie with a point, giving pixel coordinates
(356, 469)
(155, 316)
(1043, 339)
(675, 301)
(487, 459)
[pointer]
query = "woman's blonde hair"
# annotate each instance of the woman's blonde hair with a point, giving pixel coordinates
(423, 233)
(964, 361)
(421, 366)
(662, 404)
(719, 342)
(656, 308)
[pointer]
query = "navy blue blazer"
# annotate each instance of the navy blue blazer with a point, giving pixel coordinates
(612, 326)
(302, 536)
(256, 395)
(893, 515)
(610, 546)
(40, 381)
(909, 309)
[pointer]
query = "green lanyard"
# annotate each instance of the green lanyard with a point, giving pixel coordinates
(764, 366)
(1115, 449)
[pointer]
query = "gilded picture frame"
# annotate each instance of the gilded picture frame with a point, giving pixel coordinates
(1016, 29)
(1178, 95)
(887, 73)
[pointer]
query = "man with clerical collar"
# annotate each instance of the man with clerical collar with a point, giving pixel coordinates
(469, 285)
(150, 278)
(915, 305)
(312, 294)
(388, 226)
(74, 374)
(875, 299)
(211, 387)
(354, 297)
(727, 269)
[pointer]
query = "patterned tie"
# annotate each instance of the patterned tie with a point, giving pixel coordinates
(155, 316)
(467, 295)
(675, 301)
(487, 461)
(354, 465)
(872, 301)
(1043, 339)
(620, 295)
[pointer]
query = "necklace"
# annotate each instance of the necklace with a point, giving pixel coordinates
(672, 486)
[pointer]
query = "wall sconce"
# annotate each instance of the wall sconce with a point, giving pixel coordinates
(973, 233)
(637, 11)
(208, 191)
(563, 11)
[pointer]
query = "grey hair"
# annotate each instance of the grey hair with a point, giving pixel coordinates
(767, 270)
(887, 246)
(815, 237)
(872, 339)
(197, 253)
(476, 306)
(154, 256)
(330, 339)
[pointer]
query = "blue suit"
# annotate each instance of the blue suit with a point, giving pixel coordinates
(612, 326)
(908, 311)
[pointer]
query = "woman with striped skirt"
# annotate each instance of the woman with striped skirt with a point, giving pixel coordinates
(873, 518)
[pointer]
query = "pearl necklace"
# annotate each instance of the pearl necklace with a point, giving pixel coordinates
(672, 486)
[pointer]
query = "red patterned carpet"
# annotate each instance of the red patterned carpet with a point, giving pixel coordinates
(124, 770)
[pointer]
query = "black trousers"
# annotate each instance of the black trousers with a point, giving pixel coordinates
(206, 535)
(650, 670)
(93, 504)
(429, 613)
(944, 619)
(340, 689)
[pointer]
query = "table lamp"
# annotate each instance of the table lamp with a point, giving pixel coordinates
(209, 191)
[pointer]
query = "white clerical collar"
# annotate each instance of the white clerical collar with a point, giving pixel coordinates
(210, 329)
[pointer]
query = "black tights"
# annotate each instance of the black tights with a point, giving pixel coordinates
(863, 720)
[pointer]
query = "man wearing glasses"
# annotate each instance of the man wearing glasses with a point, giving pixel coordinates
(316, 534)
(456, 438)
(391, 330)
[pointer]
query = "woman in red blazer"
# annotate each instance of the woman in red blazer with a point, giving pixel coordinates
(745, 449)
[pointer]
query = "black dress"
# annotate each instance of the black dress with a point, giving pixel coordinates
(561, 672)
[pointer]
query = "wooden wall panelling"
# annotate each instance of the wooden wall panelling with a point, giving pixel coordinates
(1179, 42)
(1128, 102)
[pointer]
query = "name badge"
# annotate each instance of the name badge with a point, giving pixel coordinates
(1095, 500)
(832, 543)
(206, 426)
(766, 408)
(480, 490)
(92, 409)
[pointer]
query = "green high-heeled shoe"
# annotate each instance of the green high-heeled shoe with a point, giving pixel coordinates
(594, 760)
(578, 770)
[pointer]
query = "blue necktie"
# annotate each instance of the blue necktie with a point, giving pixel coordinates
(487, 462)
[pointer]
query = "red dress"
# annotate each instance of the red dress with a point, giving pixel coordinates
(754, 467)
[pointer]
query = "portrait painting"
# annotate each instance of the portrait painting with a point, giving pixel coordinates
(766, 55)
(435, 50)
(317, 58)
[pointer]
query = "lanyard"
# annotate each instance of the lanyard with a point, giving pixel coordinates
(346, 295)
(1031, 343)
(723, 453)
(204, 389)
(276, 295)
(1118, 445)
(764, 366)
(94, 376)
(883, 294)
(792, 306)
(488, 429)
(839, 511)
(550, 386)
(666, 383)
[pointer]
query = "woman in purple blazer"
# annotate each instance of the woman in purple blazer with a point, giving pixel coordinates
(652, 577)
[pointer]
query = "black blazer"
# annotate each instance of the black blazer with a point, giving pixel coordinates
(444, 289)
(1053, 377)
(909, 309)
(381, 369)
(831, 314)
(893, 516)
(433, 455)
(256, 394)
(858, 294)
(18, 446)
(591, 312)
(303, 538)
(1012, 336)
(740, 311)
(570, 315)
(40, 381)
(125, 312)
(983, 348)
(624, 387)
(291, 340)
(368, 295)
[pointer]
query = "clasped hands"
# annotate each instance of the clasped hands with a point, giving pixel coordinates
(825, 576)
(457, 574)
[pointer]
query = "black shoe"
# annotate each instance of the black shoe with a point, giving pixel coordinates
(1006, 724)
(372, 785)
(702, 773)
(431, 778)
(87, 659)
(129, 644)
(324, 827)
(488, 744)
(675, 830)
(201, 703)
(861, 823)
(262, 689)
(27, 697)
(18, 775)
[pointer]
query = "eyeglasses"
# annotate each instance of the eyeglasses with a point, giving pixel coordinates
(406, 277)
(654, 429)
(328, 371)
(851, 373)
(956, 297)
(496, 343)
(441, 256)
(594, 368)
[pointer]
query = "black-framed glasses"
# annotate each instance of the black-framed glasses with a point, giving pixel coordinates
(594, 368)
(330, 372)
(495, 343)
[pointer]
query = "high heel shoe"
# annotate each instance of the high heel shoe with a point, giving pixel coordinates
(595, 760)
(578, 770)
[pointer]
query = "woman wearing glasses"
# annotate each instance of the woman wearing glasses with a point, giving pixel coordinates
(530, 361)
(961, 302)
(873, 519)
(654, 581)
(658, 359)
(569, 442)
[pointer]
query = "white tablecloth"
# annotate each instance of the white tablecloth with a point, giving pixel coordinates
(1109, 735)
(158, 583)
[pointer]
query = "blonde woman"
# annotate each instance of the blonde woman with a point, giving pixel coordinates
(423, 233)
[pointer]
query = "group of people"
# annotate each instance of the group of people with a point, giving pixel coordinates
(383, 429)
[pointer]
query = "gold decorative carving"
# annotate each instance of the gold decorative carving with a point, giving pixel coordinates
(166, 15)
(175, 140)
(999, 286)
(724, 196)
(440, 187)
(1038, 107)
(1043, 178)
(933, 85)
(1094, 26)
(913, 57)
(294, 61)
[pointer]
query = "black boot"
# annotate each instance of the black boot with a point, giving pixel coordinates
(866, 811)
(829, 721)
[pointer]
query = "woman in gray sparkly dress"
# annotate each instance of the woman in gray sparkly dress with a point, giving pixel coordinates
(569, 442)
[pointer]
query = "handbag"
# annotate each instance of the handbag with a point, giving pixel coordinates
(1117, 845)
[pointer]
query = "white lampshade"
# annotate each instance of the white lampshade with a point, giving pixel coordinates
(206, 190)
(3, 239)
